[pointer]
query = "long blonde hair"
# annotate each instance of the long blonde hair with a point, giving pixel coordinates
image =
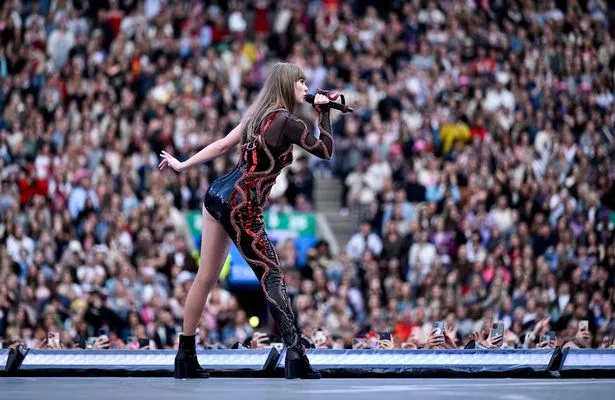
(277, 92)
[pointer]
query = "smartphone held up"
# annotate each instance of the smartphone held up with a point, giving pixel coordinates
(53, 339)
(497, 331)
(438, 327)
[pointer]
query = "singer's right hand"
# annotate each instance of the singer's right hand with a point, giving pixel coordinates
(170, 161)
(320, 99)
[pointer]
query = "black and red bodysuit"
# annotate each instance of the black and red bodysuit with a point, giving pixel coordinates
(236, 200)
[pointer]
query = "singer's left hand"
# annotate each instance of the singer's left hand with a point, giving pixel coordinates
(320, 99)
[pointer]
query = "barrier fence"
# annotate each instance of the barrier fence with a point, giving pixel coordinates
(332, 363)
(4, 359)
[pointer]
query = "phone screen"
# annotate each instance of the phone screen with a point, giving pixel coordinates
(53, 338)
(497, 329)
(439, 327)
(319, 338)
(385, 335)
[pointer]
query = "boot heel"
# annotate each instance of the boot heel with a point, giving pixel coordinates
(300, 368)
(292, 369)
(181, 369)
(186, 362)
(186, 370)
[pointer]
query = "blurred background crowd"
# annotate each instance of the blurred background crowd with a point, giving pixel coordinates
(477, 169)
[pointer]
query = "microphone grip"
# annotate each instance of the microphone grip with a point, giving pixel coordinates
(336, 106)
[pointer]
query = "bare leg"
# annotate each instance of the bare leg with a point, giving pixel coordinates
(215, 245)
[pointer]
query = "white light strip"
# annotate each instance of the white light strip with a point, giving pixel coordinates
(412, 358)
(587, 358)
(253, 358)
(162, 359)
(4, 358)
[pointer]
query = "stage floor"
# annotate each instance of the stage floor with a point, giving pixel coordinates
(279, 388)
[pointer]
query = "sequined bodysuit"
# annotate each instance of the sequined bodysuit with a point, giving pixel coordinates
(236, 200)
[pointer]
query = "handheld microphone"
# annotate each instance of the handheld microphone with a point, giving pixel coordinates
(337, 106)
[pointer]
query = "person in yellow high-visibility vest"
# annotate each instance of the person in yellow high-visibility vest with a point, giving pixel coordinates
(452, 131)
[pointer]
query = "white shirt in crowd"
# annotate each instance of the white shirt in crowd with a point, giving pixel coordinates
(90, 276)
(58, 46)
(377, 174)
(496, 98)
(359, 188)
(13, 246)
(475, 252)
(358, 244)
(503, 218)
(424, 253)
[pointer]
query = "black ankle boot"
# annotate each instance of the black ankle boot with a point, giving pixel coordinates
(298, 366)
(186, 363)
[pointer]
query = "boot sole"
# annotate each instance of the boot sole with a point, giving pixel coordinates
(292, 370)
(183, 371)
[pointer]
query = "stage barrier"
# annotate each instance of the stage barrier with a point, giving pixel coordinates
(416, 362)
(4, 359)
(144, 361)
(269, 362)
(588, 362)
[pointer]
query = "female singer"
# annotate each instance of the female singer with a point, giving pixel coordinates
(233, 207)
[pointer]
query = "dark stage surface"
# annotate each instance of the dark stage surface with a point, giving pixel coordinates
(105, 388)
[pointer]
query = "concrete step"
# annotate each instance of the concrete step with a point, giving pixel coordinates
(339, 223)
(327, 183)
(327, 186)
(331, 203)
(331, 194)
(328, 202)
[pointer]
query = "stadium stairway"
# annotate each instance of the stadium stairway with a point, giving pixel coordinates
(328, 193)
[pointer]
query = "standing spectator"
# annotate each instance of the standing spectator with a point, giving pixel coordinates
(365, 240)
(81, 194)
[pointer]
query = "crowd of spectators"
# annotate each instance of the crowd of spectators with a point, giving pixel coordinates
(477, 169)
